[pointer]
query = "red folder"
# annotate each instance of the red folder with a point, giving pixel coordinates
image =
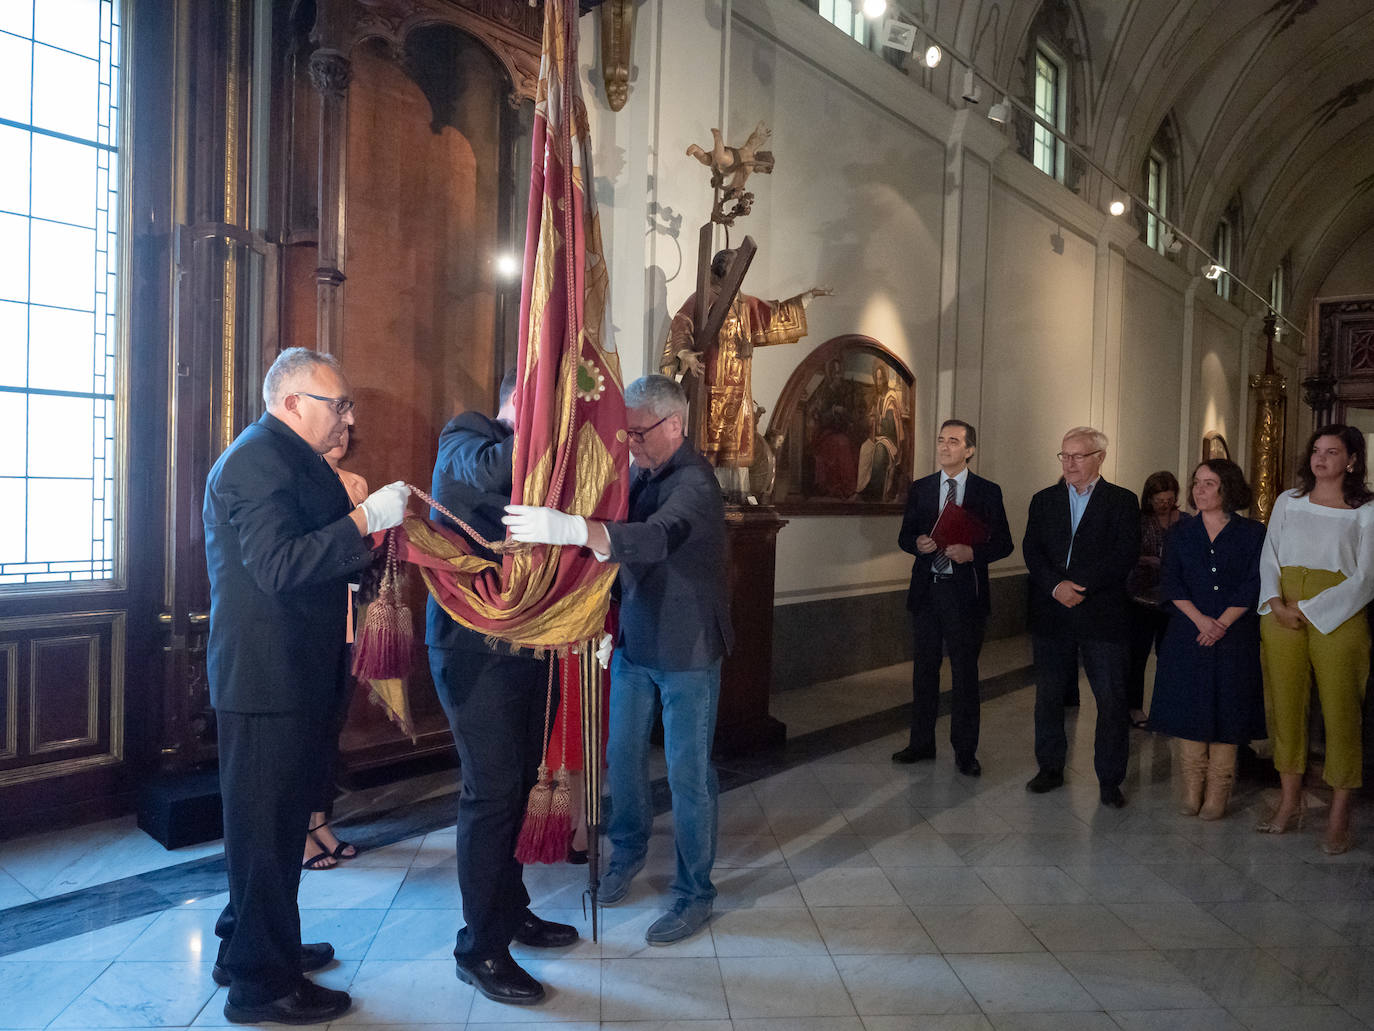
(957, 525)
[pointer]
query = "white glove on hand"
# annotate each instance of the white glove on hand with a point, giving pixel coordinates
(533, 525)
(386, 507)
(603, 651)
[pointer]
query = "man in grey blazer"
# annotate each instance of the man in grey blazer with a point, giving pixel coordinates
(674, 632)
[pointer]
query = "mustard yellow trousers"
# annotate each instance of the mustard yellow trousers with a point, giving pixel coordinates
(1340, 661)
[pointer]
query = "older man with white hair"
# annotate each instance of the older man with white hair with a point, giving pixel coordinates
(1082, 539)
(674, 631)
(282, 540)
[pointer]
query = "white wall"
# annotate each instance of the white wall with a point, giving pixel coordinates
(1016, 304)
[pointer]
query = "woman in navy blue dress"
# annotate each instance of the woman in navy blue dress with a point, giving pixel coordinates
(1208, 691)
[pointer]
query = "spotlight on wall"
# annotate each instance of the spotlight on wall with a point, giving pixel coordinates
(1213, 271)
(1000, 112)
(973, 93)
(1118, 206)
(1172, 244)
(874, 8)
(898, 35)
(932, 56)
(507, 266)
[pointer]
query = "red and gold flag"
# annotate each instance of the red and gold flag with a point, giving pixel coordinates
(570, 443)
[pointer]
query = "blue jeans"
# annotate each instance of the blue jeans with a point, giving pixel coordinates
(689, 725)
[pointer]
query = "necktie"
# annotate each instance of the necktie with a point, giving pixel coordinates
(941, 564)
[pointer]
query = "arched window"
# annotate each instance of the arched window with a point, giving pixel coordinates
(59, 262)
(1053, 86)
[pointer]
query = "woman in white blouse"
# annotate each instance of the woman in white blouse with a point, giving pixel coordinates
(1316, 577)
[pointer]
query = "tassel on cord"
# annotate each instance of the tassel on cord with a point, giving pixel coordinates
(383, 648)
(530, 846)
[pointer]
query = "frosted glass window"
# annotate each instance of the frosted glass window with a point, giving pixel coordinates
(66, 90)
(14, 258)
(842, 15)
(67, 24)
(14, 345)
(1156, 195)
(16, 76)
(59, 261)
(61, 352)
(64, 181)
(14, 170)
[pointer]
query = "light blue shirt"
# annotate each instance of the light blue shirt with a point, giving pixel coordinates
(1078, 504)
(960, 482)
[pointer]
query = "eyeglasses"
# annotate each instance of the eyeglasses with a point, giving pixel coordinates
(341, 405)
(1074, 459)
(638, 435)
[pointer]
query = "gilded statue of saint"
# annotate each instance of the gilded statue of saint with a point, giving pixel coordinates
(725, 435)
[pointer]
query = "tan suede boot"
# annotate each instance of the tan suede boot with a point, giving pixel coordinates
(1221, 774)
(1192, 761)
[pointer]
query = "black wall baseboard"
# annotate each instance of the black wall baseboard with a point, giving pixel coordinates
(822, 640)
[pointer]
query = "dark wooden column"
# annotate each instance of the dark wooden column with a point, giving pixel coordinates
(743, 724)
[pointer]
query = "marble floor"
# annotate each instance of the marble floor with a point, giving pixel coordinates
(855, 895)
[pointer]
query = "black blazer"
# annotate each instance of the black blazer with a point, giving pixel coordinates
(674, 614)
(281, 549)
(472, 479)
(983, 499)
(1105, 550)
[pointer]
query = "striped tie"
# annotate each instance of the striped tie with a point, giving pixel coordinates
(941, 564)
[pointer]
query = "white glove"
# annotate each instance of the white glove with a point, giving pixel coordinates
(386, 507)
(603, 651)
(533, 525)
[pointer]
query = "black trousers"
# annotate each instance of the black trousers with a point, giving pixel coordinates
(495, 708)
(1056, 669)
(1148, 623)
(269, 771)
(946, 620)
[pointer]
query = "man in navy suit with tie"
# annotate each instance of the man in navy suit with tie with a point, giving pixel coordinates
(948, 598)
(1082, 540)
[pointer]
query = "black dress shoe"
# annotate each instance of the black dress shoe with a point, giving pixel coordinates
(1114, 798)
(501, 980)
(969, 767)
(308, 1004)
(313, 956)
(909, 755)
(1047, 779)
(544, 934)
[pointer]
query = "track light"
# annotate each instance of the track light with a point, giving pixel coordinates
(1172, 244)
(1000, 112)
(932, 56)
(1118, 206)
(1213, 271)
(875, 8)
(973, 94)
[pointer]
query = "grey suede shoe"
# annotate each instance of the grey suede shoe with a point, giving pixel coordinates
(616, 884)
(679, 923)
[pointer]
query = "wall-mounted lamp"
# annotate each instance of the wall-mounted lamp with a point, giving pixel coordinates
(1172, 244)
(932, 56)
(1000, 112)
(1213, 271)
(1119, 206)
(973, 93)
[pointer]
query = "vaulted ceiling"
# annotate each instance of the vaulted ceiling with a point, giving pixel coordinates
(1270, 101)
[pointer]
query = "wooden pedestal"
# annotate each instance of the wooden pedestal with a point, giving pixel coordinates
(743, 725)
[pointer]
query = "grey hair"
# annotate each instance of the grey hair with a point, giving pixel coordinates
(659, 394)
(289, 366)
(1098, 438)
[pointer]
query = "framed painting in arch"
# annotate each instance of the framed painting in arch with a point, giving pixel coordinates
(842, 431)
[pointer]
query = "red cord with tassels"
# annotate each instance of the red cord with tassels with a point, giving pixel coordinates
(383, 648)
(547, 828)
